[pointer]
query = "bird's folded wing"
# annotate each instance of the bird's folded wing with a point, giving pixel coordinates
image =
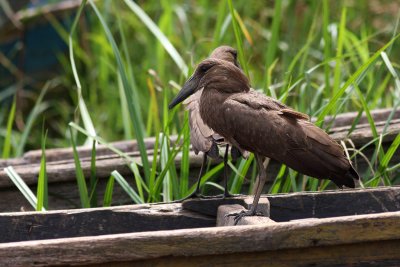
(301, 145)
(322, 138)
(258, 100)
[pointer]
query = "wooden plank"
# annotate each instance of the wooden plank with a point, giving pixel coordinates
(98, 221)
(285, 207)
(61, 196)
(355, 255)
(21, 226)
(318, 233)
(346, 119)
(294, 206)
(362, 134)
(62, 171)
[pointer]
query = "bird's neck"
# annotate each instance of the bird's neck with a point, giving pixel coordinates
(210, 106)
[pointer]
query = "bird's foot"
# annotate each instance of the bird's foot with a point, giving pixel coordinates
(244, 213)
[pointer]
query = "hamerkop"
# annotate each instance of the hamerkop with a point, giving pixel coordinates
(202, 137)
(252, 121)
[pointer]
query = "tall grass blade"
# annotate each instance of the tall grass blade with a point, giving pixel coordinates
(80, 177)
(127, 188)
(339, 52)
(218, 26)
(42, 184)
(238, 37)
(273, 43)
(93, 177)
(159, 35)
(184, 175)
(7, 139)
(36, 111)
(327, 45)
(164, 156)
(22, 187)
(389, 154)
(108, 192)
(133, 102)
(87, 121)
(353, 78)
(138, 179)
(238, 179)
(207, 176)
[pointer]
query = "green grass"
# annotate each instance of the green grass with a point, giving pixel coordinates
(123, 67)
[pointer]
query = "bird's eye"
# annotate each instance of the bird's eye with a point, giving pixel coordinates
(234, 53)
(205, 68)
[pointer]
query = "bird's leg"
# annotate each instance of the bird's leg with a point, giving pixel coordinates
(262, 177)
(197, 192)
(203, 164)
(226, 191)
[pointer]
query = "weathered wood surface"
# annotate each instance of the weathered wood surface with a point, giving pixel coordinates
(334, 203)
(99, 221)
(368, 254)
(294, 206)
(23, 226)
(342, 237)
(346, 119)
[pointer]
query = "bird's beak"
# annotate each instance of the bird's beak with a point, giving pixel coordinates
(188, 89)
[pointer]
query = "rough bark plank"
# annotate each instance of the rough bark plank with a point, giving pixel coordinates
(362, 134)
(346, 119)
(355, 255)
(209, 206)
(204, 241)
(285, 207)
(62, 171)
(294, 206)
(99, 221)
(61, 196)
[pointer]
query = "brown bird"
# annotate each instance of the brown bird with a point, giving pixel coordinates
(252, 121)
(202, 137)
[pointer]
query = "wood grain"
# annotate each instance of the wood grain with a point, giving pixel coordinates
(318, 233)
(23, 226)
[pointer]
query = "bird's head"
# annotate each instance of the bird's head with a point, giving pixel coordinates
(215, 74)
(226, 53)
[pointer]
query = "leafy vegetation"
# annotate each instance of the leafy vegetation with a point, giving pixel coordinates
(127, 62)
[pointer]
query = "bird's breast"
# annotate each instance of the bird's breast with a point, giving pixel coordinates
(211, 111)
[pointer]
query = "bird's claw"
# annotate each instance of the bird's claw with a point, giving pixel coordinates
(244, 213)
